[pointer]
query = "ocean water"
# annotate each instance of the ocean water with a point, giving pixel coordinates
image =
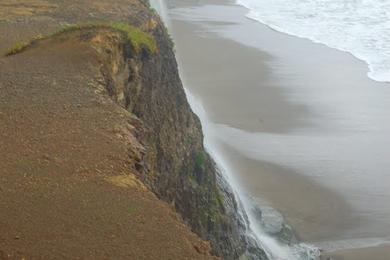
(360, 27)
(342, 143)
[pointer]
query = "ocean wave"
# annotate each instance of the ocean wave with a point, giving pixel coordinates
(360, 27)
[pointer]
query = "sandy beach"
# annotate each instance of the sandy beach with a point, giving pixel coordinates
(292, 121)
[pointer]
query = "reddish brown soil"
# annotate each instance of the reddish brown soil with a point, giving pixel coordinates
(67, 189)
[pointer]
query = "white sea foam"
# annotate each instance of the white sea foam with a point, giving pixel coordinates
(360, 27)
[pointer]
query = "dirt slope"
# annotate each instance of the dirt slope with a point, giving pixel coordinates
(67, 158)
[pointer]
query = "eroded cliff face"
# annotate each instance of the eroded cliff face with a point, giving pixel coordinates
(175, 164)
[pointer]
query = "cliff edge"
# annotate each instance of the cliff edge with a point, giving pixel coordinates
(99, 147)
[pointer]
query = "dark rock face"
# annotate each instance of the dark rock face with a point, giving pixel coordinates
(175, 165)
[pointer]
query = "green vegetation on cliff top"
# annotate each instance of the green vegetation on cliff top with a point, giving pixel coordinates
(137, 38)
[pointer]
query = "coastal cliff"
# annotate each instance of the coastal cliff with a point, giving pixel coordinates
(92, 94)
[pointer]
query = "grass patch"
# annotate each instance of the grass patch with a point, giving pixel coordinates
(21, 46)
(137, 38)
(200, 159)
(132, 210)
(17, 47)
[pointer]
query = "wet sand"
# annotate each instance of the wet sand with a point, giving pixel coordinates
(367, 253)
(262, 93)
(217, 89)
(288, 192)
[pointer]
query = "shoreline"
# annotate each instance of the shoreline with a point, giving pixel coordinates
(203, 42)
(353, 53)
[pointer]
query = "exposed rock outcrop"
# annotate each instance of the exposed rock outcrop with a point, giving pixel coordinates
(175, 165)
